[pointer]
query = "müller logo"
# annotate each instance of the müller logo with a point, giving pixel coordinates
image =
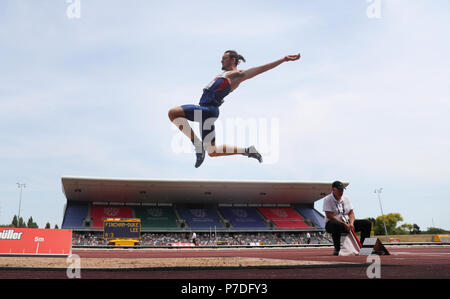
(9, 234)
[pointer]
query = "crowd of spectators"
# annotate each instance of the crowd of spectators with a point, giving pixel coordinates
(212, 239)
(88, 239)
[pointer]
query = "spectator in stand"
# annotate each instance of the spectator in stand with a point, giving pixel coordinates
(236, 238)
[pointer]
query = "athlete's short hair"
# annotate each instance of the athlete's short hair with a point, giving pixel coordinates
(234, 54)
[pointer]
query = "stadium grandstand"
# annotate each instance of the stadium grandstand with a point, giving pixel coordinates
(233, 212)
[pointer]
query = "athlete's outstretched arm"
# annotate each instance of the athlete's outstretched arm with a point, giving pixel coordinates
(252, 72)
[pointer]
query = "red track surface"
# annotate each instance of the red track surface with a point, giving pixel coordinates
(404, 262)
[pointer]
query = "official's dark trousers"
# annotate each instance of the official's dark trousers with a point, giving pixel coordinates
(336, 228)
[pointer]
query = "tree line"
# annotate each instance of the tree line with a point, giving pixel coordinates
(20, 223)
(394, 227)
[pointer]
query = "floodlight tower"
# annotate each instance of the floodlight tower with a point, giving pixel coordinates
(378, 192)
(21, 187)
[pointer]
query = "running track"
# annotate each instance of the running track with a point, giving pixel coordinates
(403, 263)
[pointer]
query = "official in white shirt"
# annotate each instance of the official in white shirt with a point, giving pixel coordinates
(194, 238)
(340, 217)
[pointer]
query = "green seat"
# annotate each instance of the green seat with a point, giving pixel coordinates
(156, 217)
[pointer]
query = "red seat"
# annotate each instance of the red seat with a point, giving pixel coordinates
(100, 213)
(284, 217)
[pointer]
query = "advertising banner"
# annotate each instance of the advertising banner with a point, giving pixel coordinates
(182, 244)
(31, 241)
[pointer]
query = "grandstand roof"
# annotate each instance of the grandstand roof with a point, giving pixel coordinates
(122, 190)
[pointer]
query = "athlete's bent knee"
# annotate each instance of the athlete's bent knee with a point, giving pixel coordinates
(175, 113)
(172, 114)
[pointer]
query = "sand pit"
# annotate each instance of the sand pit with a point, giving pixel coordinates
(136, 263)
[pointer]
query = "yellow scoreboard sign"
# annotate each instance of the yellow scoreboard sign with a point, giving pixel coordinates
(441, 238)
(127, 228)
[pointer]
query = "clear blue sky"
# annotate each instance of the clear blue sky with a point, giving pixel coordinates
(367, 103)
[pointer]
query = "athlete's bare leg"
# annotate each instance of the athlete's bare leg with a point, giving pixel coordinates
(177, 116)
(223, 150)
(227, 150)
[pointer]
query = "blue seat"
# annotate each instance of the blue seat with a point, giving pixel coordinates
(243, 217)
(200, 217)
(74, 216)
(313, 215)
